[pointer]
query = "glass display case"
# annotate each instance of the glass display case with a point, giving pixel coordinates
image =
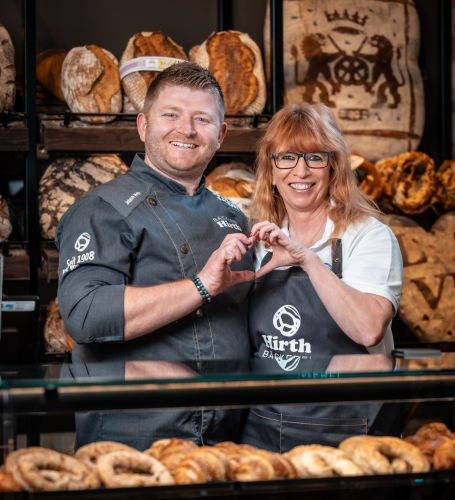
(400, 383)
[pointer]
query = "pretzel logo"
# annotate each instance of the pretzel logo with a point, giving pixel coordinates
(286, 329)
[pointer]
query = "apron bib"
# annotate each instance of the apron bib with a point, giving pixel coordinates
(292, 331)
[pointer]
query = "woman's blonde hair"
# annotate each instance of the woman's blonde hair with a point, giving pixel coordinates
(305, 128)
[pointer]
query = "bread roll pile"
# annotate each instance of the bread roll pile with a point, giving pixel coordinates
(56, 338)
(91, 83)
(7, 72)
(234, 181)
(143, 44)
(69, 178)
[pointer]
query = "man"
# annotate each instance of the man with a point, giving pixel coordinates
(129, 249)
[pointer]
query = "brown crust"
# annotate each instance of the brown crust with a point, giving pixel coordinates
(444, 456)
(157, 44)
(232, 64)
(7, 71)
(206, 464)
(386, 170)
(5, 220)
(370, 182)
(414, 184)
(7, 483)
(446, 188)
(49, 71)
(55, 335)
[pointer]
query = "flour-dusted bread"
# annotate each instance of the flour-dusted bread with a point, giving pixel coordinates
(69, 178)
(147, 43)
(56, 338)
(236, 62)
(49, 71)
(234, 181)
(5, 220)
(7, 72)
(91, 83)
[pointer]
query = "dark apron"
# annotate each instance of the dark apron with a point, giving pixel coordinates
(292, 331)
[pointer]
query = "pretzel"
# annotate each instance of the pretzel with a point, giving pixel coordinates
(375, 456)
(370, 182)
(7, 483)
(429, 438)
(90, 453)
(203, 465)
(322, 461)
(170, 452)
(444, 456)
(140, 470)
(446, 188)
(386, 170)
(414, 184)
(38, 469)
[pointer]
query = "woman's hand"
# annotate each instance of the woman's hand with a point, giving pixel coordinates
(286, 252)
(216, 276)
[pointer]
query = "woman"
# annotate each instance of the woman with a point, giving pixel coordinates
(328, 275)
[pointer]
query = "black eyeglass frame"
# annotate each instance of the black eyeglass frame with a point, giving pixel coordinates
(302, 155)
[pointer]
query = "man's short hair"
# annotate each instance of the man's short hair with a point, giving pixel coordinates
(185, 74)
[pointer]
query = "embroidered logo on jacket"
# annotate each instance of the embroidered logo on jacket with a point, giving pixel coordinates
(226, 222)
(82, 242)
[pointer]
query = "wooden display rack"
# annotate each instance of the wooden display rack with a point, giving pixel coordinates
(14, 137)
(49, 260)
(16, 262)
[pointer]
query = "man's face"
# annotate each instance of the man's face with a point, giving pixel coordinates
(182, 132)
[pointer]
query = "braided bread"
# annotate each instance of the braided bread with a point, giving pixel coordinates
(170, 452)
(137, 470)
(444, 456)
(322, 461)
(203, 465)
(38, 469)
(90, 453)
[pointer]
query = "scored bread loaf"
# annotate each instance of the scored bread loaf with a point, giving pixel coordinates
(7, 72)
(236, 62)
(49, 71)
(91, 83)
(5, 220)
(69, 178)
(56, 338)
(147, 43)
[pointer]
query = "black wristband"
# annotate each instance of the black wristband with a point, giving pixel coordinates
(205, 295)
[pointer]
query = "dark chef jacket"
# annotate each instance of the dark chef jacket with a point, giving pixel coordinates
(142, 229)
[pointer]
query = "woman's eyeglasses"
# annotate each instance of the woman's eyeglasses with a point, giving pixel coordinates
(290, 160)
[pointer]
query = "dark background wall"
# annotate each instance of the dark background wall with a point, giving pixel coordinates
(110, 23)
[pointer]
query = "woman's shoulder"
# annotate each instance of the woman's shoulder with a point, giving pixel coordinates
(370, 230)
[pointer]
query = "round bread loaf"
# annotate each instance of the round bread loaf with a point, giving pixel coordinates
(236, 62)
(7, 72)
(56, 338)
(69, 178)
(91, 83)
(5, 220)
(49, 71)
(147, 43)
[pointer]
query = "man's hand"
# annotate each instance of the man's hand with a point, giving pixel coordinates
(217, 275)
(286, 252)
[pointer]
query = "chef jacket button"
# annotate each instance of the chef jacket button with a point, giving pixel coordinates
(199, 313)
(184, 249)
(152, 201)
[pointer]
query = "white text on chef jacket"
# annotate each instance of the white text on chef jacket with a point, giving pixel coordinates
(279, 345)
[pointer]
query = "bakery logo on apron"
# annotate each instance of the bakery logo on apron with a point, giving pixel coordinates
(82, 242)
(226, 222)
(287, 321)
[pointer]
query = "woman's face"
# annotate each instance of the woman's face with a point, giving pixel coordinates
(303, 189)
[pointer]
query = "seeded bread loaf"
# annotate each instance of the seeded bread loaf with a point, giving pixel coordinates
(236, 62)
(143, 44)
(7, 72)
(49, 71)
(69, 178)
(91, 83)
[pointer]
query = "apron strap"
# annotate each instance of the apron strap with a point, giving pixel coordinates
(337, 257)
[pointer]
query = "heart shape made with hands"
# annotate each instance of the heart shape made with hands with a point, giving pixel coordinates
(427, 303)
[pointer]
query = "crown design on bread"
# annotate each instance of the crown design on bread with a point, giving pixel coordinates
(355, 18)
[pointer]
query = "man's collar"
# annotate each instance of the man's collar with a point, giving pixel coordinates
(150, 175)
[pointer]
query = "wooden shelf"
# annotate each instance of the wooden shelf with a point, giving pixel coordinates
(122, 136)
(15, 137)
(49, 256)
(16, 266)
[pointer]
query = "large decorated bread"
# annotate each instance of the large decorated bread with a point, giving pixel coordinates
(69, 178)
(49, 71)
(153, 43)
(360, 58)
(427, 303)
(5, 220)
(7, 72)
(91, 83)
(56, 338)
(236, 62)
(234, 181)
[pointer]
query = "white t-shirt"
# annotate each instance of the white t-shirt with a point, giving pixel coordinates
(372, 263)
